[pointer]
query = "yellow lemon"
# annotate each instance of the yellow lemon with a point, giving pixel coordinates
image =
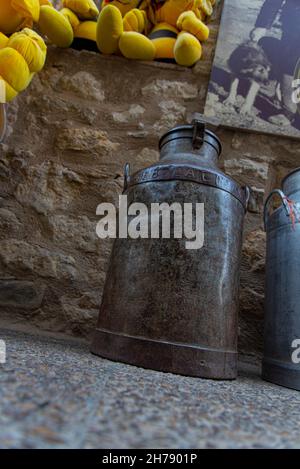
(85, 9)
(55, 26)
(31, 46)
(136, 46)
(14, 69)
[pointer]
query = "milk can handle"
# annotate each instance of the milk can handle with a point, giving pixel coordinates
(267, 202)
(126, 176)
(247, 196)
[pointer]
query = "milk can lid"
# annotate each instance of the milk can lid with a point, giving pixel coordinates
(197, 132)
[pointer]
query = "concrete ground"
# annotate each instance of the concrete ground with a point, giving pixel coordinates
(55, 394)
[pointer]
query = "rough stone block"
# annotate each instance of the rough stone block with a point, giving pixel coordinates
(21, 294)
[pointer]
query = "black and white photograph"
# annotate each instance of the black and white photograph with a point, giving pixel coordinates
(253, 82)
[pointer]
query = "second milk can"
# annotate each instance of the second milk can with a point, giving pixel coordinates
(164, 306)
(281, 360)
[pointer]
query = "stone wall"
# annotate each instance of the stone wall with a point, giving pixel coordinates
(69, 137)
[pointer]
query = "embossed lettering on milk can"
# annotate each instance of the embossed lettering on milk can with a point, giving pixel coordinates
(170, 308)
(282, 303)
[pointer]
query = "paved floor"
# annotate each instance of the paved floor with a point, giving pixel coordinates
(54, 394)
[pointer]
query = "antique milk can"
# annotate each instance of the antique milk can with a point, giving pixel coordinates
(281, 360)
(164, 306)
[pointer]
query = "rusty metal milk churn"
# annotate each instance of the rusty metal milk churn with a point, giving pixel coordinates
(281, 360)
(164, 306)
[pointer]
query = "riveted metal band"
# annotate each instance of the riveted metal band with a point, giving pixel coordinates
(190, 173)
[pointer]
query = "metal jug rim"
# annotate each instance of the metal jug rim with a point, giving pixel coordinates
(172, 172)
(189, 129)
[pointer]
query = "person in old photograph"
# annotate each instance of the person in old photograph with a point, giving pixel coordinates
(283, 53)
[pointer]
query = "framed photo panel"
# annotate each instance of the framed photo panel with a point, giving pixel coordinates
(255, 80)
